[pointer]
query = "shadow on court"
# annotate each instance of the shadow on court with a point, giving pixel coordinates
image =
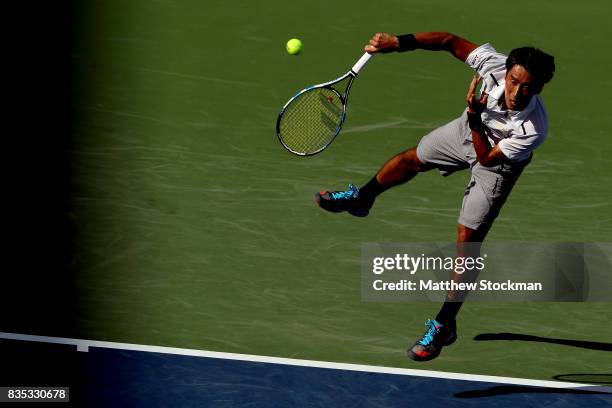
(518, 389)
(585, 378)
(105, 377)
(593, 345)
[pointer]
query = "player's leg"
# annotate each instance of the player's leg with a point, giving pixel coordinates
(486, 193)
(444, 148)
(442, 331)
(399, 170)
(358, 201)
(469, 242)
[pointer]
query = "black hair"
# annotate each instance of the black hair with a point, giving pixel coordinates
(538, 63)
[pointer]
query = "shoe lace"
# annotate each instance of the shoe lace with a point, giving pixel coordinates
(352, 192)
(429, 335)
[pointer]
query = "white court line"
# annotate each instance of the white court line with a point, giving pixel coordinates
(83, 345)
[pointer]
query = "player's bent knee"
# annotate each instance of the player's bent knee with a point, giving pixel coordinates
(465, 234)
(411, 159)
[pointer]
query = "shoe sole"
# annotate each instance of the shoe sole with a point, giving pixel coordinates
(415, 357)
(317, 200)
(353, 212)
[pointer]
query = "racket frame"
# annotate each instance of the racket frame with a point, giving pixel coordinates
(352, 74)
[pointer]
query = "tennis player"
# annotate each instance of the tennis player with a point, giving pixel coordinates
(494, 137)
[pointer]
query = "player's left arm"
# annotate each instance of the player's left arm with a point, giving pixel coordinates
(486, 154)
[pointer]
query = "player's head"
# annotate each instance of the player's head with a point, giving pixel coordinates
(527, 71)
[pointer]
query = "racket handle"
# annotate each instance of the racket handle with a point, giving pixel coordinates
(362, 62)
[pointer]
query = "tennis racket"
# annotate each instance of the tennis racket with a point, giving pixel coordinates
(312, 119)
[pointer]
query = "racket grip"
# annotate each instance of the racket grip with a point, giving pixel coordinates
(362, 62)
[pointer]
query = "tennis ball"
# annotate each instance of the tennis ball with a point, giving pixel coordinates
(294, 46)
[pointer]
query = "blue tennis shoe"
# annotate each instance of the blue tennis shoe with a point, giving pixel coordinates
(436, 336)
(339, 201)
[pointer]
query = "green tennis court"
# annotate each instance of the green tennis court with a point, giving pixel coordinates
(192, 226)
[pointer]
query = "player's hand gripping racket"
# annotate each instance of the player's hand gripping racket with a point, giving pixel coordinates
(312, 119)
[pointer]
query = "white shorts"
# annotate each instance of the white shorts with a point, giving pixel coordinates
(449, 148)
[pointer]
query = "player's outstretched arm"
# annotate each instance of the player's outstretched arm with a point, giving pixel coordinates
(433, 41)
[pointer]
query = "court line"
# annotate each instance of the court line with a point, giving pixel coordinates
(190, 76)
(131, 115)
(84, 345)
(399, 124)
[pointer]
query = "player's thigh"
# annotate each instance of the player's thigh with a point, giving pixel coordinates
(485, 195)
(448, 147)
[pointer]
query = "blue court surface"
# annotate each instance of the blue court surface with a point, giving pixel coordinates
(114, 374)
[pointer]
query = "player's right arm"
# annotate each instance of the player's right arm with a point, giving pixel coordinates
(433, 41)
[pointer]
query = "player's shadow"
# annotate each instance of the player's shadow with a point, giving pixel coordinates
(586, 378)
(520, 389)
(593, 345)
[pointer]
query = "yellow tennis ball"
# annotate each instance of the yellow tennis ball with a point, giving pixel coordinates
(294, 46)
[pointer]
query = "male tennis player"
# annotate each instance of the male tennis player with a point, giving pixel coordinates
(494, 137)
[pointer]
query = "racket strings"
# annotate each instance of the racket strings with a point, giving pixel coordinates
(311, 121)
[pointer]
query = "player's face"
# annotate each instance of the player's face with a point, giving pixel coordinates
(520, 88)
